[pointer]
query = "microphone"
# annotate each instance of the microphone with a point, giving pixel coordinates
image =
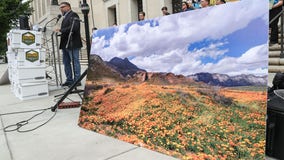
(77, 19)
(58, 17)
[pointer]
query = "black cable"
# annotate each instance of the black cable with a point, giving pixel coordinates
(4, 114)
(29, 130)
(17, 127)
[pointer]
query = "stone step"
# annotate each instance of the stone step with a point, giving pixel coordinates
(275, 47)
(275, 68)
(274, 54)
(276, 61)
(84, 61)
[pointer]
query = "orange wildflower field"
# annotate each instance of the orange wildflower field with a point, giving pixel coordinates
(184, 121)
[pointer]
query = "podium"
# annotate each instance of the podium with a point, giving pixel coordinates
(26, 64)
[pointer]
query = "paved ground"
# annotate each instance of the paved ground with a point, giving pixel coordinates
(270, 78)
(59, 139)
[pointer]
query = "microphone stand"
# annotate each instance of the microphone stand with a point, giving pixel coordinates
(44, 31)
(70, 36)
(44, 28)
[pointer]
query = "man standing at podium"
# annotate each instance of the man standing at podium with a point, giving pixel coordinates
(70, 43)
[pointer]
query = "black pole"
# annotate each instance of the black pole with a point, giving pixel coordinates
(282, 48)
(68, 91)
(85, 10)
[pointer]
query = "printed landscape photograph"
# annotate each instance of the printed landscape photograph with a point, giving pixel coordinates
(191, 85)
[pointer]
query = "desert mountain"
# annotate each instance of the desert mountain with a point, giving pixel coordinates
(118, 69)
(229, 81)
(123, 66)
(160, 78)
(98, 70)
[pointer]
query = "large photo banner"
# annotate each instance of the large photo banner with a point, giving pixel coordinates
(190, 85)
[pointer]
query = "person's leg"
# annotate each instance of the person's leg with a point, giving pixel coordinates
(77, 66)
(274, 25)
(67, 66)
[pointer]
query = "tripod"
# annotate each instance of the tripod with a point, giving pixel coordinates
(85, 10)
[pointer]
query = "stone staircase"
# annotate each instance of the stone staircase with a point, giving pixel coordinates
(275, 62)
(83, 56)
(47, 45)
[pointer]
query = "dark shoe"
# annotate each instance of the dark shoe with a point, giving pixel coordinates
(79, 84)
(272, 43)
(66, 84)
(47, 76)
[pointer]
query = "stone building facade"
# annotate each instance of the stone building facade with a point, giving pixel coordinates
(105, 13)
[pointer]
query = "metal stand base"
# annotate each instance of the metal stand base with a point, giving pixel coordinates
(69, 91)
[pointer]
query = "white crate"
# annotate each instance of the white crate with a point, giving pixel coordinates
(10, 73)
(11, 56)
(33, 80)
(28, 74)
(27, 91)
(30, 57)
(11, 60)
(12, 86)
(20, 64)
(24, 39)
(10, 49)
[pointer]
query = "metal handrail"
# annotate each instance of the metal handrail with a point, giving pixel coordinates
(54, 58)
(58, 56)
(281, 28)
(51, 58)
(54, 61)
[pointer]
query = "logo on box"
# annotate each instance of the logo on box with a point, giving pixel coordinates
(28, 38)
(32, 56)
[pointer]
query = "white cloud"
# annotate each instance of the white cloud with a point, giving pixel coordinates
(164, 47)
(254, 61)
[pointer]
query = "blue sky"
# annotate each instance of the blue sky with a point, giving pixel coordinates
(237, 42)
(229, 39)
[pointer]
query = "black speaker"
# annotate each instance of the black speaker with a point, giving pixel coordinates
(24, 22)
(275, 125)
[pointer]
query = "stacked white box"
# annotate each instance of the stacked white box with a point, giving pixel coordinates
(24, 39)
(30, 57)
(26, 74)
(27, 91)
(26, 64)
(11, 58)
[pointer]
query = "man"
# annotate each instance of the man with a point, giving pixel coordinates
(273, 12)
(165, 11)
(185, 6)
(70, 46)
(204, 3)
(141, 16)
(218, 2)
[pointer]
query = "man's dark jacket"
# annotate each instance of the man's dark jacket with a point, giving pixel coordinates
(66, 28)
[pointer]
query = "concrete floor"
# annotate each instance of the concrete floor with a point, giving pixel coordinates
(61, 138)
